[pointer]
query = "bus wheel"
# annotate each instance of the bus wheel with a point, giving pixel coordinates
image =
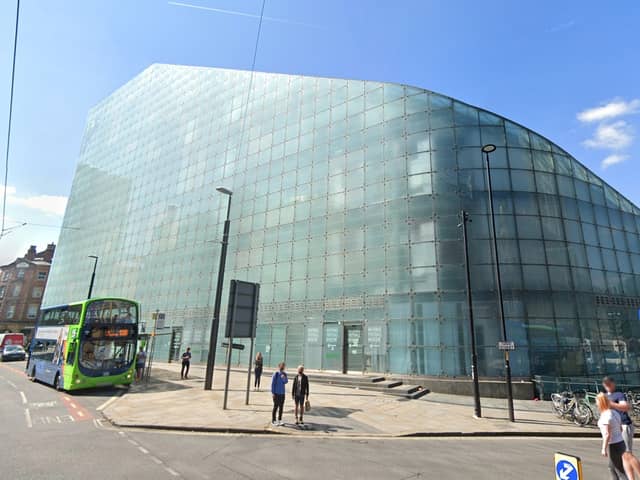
(56, 383)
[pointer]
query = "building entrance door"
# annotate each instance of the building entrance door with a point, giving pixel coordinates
(353, 349)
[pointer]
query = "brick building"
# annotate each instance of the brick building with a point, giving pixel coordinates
(22, 284)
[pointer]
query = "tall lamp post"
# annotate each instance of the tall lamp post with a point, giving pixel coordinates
(93, 275)
(213, 340)
(487, 149)
(477, 411)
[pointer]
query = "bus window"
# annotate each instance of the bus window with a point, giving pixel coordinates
(110, 312)
(67, 315)
(107, 355)
(43, 350)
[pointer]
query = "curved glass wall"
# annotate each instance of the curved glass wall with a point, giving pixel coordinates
(345, 209)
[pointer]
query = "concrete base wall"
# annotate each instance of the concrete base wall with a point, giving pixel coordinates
(522, 389)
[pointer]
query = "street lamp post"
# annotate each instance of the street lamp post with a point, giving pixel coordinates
(487, 149)
(93, 275)
(477, 411)
(213, 340)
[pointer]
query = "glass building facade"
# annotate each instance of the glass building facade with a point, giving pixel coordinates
(345, 210)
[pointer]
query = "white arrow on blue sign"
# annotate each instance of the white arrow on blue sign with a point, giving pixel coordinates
(566, 471)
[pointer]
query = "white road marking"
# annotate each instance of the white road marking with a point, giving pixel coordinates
(133, 442)
(27, 416)
(43, 404)
(122, 434)
(56, 419)
(156, 460)
(24, 398)
(172, 471)
(107, 403)
(12, 384)
(80, 414)
(73, 405)
(143, 450)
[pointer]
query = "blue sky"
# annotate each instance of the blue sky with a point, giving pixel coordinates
(568, 70)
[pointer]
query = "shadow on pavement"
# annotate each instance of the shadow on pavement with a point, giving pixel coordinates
(155, 385)
(332, 412)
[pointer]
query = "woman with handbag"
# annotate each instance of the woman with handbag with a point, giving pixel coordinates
(300, 393)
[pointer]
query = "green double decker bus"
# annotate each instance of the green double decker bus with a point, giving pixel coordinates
(85, 344)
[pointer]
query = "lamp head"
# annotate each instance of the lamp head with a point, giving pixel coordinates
(92, 256)
(488, 148)
(224, 190)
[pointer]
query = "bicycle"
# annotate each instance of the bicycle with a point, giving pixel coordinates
(573, 407)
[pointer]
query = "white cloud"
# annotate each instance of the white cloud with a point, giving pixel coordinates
(49, 204)
(613, 159)
(562, 26)
(615, 108)
(613, 136)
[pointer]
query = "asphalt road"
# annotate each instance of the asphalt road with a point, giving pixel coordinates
(52, 435)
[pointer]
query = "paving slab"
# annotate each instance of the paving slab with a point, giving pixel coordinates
(166, 402)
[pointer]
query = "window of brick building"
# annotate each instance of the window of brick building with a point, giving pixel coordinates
(16, 290)
(37, 292)
(11, 310)
(32, 311)
(42, 275)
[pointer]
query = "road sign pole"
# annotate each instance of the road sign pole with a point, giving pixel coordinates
(230, 318)
(249, 361)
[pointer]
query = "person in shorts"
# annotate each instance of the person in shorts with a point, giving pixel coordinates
(300, 393)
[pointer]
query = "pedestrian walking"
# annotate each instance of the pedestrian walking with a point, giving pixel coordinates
(257, 371)
(278, 382)
(619, 403)
(613, 445)
(141, 360)
(186, 363)
(300, 392)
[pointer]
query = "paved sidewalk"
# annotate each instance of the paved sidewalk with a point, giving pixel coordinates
(170, 403)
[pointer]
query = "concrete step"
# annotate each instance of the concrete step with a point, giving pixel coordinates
(411, 392)
(347, 380)
(375, 383)
(389, 384)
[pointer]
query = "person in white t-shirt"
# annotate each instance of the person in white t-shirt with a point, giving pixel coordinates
(622, 463)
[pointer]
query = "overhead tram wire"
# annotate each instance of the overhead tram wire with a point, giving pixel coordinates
(253, 68)
(215, 325)
(6, 160)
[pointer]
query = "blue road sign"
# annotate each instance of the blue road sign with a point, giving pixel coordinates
(566, 470)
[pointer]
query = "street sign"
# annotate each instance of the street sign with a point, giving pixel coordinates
(568, 467)
(242, 315)
(506, 346)
(242, 309)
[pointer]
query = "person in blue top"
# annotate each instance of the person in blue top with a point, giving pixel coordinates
(620, 404)
(278, 381)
